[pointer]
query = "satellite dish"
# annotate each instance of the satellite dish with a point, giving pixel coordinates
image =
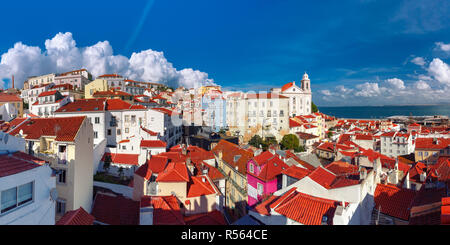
(54, 194)
(5, 138)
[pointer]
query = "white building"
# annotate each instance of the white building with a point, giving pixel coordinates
(25, 190)
(299, 97)
(8, 112)
(48, 102)
(394, 144)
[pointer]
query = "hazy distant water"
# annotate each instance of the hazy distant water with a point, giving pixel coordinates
(385, 111)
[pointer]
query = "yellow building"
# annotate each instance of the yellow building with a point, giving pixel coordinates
(94, 86)
(13, 99)
(428, 150)
(232, 163)
(67, 144)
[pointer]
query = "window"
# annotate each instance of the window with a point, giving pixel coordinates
(109, 131)
(95, 135)
(260, 189)
(61, 176)
(133, 119)
(251, 168)
(97, 120)
(124, 147)
(60, 206)
(118, 132)
(127, 118)
(16, 197)
(127, 130)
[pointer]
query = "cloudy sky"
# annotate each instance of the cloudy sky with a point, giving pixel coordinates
(356, 52)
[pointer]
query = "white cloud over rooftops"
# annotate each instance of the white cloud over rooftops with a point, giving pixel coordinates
(61, 54)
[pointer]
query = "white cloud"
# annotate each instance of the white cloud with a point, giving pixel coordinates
(62, 54)
(440, 71)
(422, 85)
(368, 90)
(442, 46)
(418, 61)
(325, 92)
(396, 83)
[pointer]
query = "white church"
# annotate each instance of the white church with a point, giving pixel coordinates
(299, 97)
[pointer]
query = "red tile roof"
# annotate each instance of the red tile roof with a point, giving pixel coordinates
(306, 136)
(329, 180)
(287, 86)
(428, 143)
(200, 186)
(27, 157)
(296, 172)
(229, 151)
(110, 75)
(84, 105)
(4, 97)
(271, 169)
(306, 209)
(264, 207)
(294, 123)
(262, 158)
(174, 172)
(213, 173)
(166, 210)
(341, 167)
(153, 144)
(394, 201)
(115, 210)
(122, 158)
(64, 128)
(14, 164)
(157, 163)
(144, 171)
(76, 217)
(117, 105)
(211, 218)
(48, 93)
(445, 211)
(441, 170)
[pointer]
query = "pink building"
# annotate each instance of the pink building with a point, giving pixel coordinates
(264, 176)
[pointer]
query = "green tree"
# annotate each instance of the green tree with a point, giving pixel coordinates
(330, 134)
(314, 107)
(270, 141)
(256, 141)
(300, 148)
(289, 142)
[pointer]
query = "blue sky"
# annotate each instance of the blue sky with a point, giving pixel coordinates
(345, 46)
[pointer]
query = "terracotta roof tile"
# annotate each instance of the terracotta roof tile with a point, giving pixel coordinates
(153, 144)
(211, 218)
(306, 209)
(76, 217)
(200, 186)
(394, 201)
(122, 158)
(64, 128)
(166, 210)
(174, 172)
(115, 210)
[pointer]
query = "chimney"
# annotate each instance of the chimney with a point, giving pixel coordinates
(204, 179)
(12, 81)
